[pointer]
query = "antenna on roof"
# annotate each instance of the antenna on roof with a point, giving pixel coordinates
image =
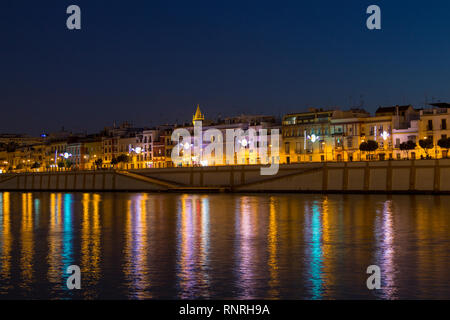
(361, 102)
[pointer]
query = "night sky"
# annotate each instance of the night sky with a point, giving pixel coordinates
(151, 62)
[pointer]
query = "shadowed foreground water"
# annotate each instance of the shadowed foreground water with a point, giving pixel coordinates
(171, 246)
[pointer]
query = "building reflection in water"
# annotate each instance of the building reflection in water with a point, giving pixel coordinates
(314, 254)
(136, 266)
(384, 254)
(27, 250)
(248, 251)
(55, 241)
(273, 250)
(328, 240)
(67, 242)
(138, 245)
(193, 246)
(90, 242)
(6, 238)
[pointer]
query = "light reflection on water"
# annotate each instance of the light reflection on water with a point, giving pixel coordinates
(162, 246)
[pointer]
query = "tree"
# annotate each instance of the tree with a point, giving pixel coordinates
(35, 165)
(61, 164)
(426, 144)
(444, 143)
(114, 161)
(68, 163)
(372, 145)
(98, 163)
(123, 158)
(369, 146)
(407, 146)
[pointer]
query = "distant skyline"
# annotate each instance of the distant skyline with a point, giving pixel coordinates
(152, 62)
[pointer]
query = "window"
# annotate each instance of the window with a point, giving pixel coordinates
(444, 124)
(430, 125)
(298, 147)
(286, 148)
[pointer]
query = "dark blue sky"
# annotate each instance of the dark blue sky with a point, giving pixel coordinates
(153, 61)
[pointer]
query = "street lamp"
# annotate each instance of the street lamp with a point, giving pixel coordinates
(324, 150)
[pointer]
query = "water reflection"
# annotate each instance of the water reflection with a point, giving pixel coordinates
(247, 259)
(136, 267)
(385, 253)
(142, 246)
(27, 243)
(54, 240)
(193, 247)
(273, 247)
(90, 242)
(67, 245)
(6, 243)
(313, 239)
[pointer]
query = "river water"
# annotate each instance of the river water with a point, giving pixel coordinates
(223, 246)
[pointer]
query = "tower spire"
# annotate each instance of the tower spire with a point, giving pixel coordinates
(198, 116)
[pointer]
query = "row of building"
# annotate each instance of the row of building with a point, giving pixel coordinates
(316, 135)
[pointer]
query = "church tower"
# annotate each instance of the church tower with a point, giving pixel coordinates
(198, 116)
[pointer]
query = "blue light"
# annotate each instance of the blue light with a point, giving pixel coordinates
(67, 254)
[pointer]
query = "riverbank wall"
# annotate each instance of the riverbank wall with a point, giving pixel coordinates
(408, 176)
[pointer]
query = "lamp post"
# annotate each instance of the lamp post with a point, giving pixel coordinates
(325, 150)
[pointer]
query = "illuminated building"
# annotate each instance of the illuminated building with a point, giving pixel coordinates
(306, 136)
(314, 136)
(380, 129)
(346, 135)
(404, 135)
(434, 125)
(92, 152)
(249, 152)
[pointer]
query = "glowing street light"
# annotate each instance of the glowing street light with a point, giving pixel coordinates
(313, 138)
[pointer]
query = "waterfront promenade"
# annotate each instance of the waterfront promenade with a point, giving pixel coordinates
(409, 176)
